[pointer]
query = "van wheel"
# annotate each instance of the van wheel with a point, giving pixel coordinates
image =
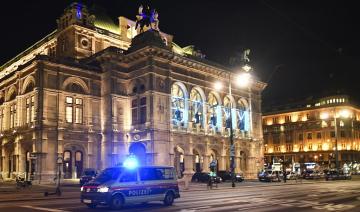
(91, 205)
(117, 202)
(169, 199)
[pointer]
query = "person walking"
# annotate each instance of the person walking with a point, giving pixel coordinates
(284, 176)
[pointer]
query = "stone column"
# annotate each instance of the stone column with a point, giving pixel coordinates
(237, 164)
(206, 163)
(189, 168)
(189, 163)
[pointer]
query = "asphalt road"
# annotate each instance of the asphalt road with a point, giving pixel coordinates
(322, 196)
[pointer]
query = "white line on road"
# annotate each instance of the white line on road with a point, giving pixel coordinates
(42, 209)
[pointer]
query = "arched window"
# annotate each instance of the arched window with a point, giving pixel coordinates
(75, 88)
(29, 87)
(243, 116)
(177, 105)
(196, 107)
(12, 96)
(213, 111)
(226, 113)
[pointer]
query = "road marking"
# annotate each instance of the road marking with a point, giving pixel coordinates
(42, 209)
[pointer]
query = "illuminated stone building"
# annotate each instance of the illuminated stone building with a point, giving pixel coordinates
(306, 132)
(92, 92)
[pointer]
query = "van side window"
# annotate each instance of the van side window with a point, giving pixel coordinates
(156, 174)
(129, 176)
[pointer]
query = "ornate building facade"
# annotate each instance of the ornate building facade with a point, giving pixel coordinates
(93, 92)
(307, 132)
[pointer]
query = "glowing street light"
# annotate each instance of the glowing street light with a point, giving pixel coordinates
(218, 86)
(243, 79)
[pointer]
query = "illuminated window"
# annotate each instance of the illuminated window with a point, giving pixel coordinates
(13, 119)
(301, 148)
(138, 110)
(74, 110)
(289, 148)
(213, 110)
(30, 109)
(78, 111)
(342, 124)
(287, 118)
(142, 110)
(275, 120)
(243, 116)
(69, 110)
(178, 105)
(196, 107)
(310, 146)
(227, 122)
(320, 146)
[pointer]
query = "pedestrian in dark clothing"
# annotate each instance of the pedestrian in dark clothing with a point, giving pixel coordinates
(284, 175)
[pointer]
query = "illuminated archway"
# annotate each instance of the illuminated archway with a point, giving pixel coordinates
(178, 104)
(214, 116)
(243, 115)
(196, 107)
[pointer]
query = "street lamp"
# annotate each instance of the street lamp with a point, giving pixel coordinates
(344, 114)
(243, 80)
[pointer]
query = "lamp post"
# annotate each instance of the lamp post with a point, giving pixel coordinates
(243, 80)
(336, 142)
(344, 114)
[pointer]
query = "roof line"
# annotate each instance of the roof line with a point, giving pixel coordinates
(26, 51)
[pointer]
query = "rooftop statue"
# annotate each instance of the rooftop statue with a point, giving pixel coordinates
(245, 56)
(147, 19)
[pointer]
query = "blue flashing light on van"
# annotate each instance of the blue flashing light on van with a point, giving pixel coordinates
(117, 186)
(131, 162)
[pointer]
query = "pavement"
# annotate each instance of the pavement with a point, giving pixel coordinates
(71, 190)
(248, 196)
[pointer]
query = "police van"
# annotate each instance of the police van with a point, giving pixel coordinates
(117, 186)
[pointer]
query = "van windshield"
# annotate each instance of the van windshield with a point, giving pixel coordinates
(108, 174)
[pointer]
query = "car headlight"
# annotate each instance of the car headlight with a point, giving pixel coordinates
(103, 189)
(82, 188)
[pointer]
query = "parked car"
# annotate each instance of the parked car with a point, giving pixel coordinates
(312, 174)
(337, 175)
(270, 176)
(291, 175)
(226, 176)
(88, 175)
(203, 177)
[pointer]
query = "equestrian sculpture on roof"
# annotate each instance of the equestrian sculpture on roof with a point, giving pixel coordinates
(147, 19)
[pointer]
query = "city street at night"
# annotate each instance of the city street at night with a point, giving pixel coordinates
(248, 196)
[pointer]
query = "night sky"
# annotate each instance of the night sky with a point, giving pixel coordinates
(300, 48)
